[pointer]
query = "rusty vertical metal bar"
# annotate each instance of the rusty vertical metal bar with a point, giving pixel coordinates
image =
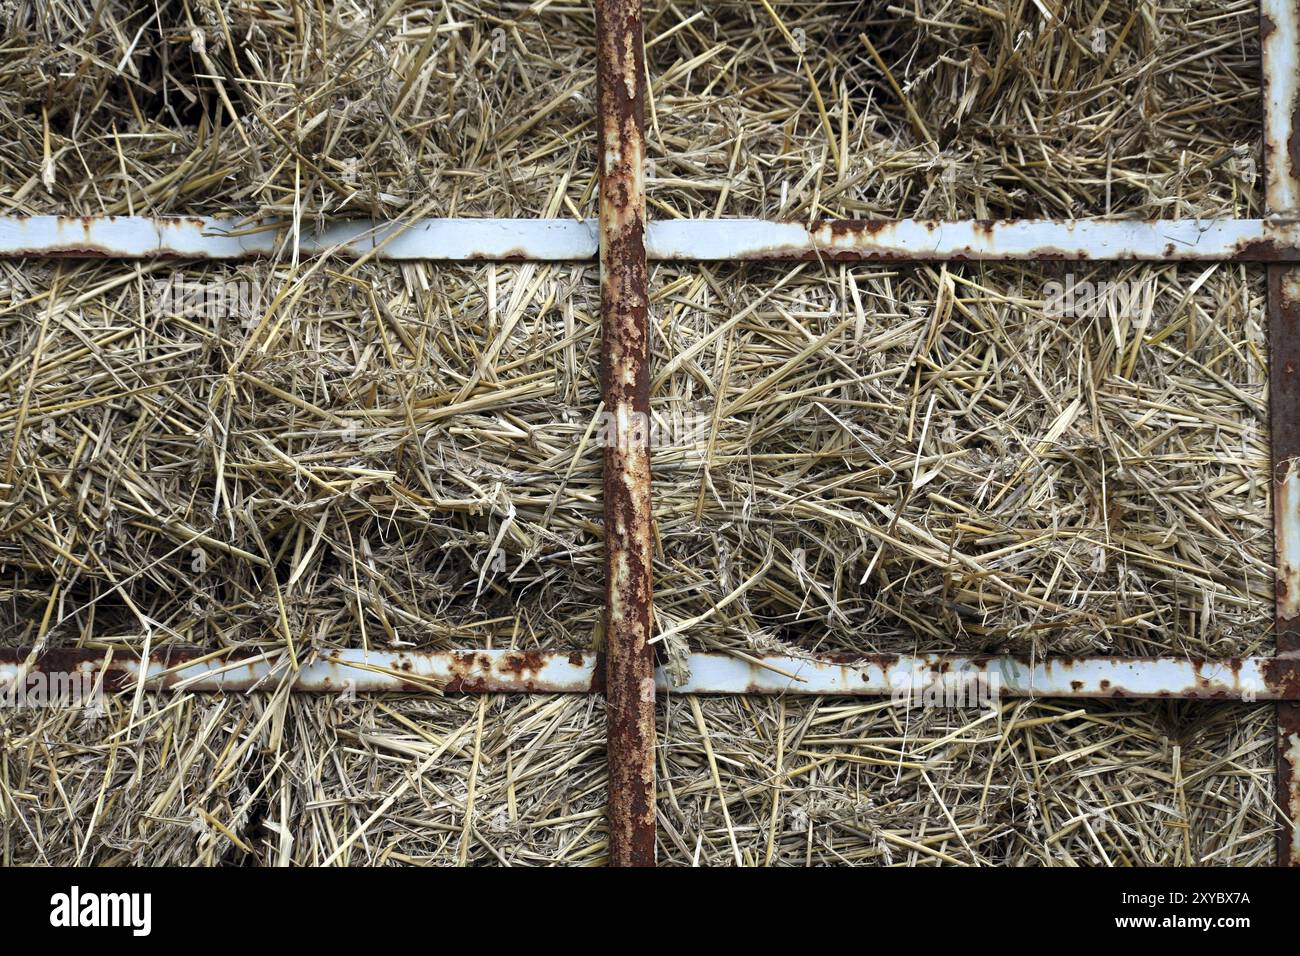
(625, 374)
(1280, 46)
(1284, 402)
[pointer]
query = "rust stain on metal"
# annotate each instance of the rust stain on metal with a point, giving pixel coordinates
(87, 665)
(1284, 342)
(1284, 383)
(1284, 405)
(1279, 31)
(1280, 48)
(1288, 773)
(203, 670)
(916, 240)
(200, 670)
(1260, 250)
(1286, 523)
(629, 671)
(1205, 679)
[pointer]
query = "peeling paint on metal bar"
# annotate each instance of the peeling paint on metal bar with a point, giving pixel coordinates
(343, 671)
(582, 672)
(1280, 47)
(1288, 763)
(887, 675)
(625, 385)
(1286, 521)
(138, 237)
(932, 240)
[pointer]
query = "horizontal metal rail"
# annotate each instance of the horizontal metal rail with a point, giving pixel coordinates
(582, 672)
(200, 237)
(466, 240)
(1160, 240)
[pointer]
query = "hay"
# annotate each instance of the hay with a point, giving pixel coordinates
(777, 110)
(375, 464)
(854, 457)
(954, 109)
(280, 780)
(951, 467)
(384, 109)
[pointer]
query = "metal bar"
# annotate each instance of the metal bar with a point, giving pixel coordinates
(1161, 240)
(197, 237)
(940, 676)
(625, 377)
(1284, 414)
(932, 677)
(1279, 33)
(1280, 46)
(353, 670)
(982, 240)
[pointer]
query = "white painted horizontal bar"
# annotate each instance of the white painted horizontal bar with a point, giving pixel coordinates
(137, 237)
(905, 675)
(338, 671)
(929, 676)
(924, 240)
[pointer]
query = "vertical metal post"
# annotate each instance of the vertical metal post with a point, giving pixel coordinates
(1284, 399)
(625, 373)
(1280, 42)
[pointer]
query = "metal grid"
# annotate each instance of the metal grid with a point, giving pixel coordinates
(625, 242)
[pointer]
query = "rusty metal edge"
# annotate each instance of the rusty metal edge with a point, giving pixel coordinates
(1280, 51)
(475, 671)
(625, 378)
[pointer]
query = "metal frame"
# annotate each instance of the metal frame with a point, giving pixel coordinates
(625, 388)
(674, 240)
(625, 242)
(1280, 48)
(495, 671)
